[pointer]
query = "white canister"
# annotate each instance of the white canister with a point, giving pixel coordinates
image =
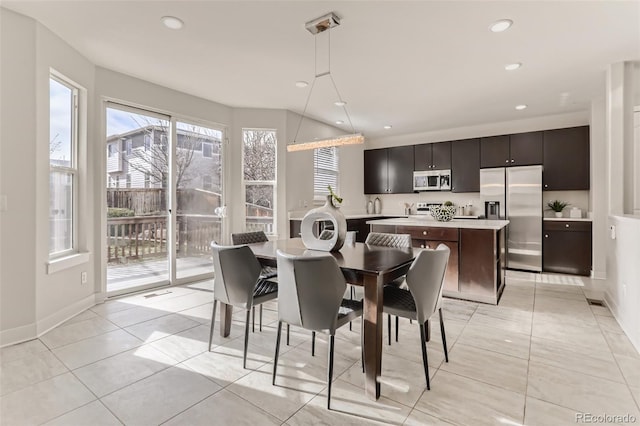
(575, 213)
(377, 206)
(370, 207)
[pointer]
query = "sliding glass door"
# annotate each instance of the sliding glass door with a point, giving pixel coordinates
(164, 199)
(199, 202)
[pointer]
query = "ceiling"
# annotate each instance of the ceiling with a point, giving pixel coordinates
(416, 65)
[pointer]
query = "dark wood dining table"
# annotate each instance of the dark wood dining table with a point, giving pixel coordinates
(362, 265)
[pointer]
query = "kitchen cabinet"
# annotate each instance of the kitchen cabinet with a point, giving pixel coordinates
(522, 149)
(566, 247)
(465, 165)
(432, 156)
(429, 237)
(388, 170)
(566, 159)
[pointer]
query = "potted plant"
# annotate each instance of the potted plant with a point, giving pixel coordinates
(557, 206)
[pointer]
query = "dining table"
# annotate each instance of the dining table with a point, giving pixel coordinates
(363, 265)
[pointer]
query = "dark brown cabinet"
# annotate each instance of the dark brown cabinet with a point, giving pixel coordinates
(465, 165)
(431, 237)
(566, 247)
(432, 156)
(388, 170)
(521, 149)
(566, 159)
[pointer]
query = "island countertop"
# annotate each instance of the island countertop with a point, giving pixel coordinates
(455, 223)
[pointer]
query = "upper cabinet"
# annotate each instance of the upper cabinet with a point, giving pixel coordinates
(388, 170)
(566, 159)
(465, 165)
(522, 149)
(432, 156)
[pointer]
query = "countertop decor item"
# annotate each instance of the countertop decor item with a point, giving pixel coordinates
(332, 240)
(443, 213)
(377, 206)
(557, 206)
(370, 207)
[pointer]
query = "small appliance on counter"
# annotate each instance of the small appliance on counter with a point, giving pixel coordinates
(575, 213)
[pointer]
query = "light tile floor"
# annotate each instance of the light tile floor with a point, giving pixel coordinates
(541, 356)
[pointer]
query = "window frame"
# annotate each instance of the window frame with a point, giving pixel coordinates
(73, 169)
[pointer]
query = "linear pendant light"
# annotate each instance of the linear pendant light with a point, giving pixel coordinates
(315, 27)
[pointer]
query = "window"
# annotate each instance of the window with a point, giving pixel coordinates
(259, 173)
(325, 171)
(147, 142)
(147, 179)
(63, 168)
(207, 150)
(129, 144)
(111, 149)
(128, 181)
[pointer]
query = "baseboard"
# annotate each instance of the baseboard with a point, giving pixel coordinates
(57, 318)
(613, 307)
(599, 275)
(17, 335)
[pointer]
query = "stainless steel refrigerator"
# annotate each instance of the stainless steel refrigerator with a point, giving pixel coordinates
(518, 190)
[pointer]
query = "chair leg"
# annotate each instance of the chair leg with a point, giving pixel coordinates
(246, 339)
(253, 322)
(444, 337)
(389, 329)
(275, 359)
(287, 334)
(330, 372)
(313, 343)
(213, 323)
(362, 342)
(424, 355)
(351, 295)
(397, 321)
(261, 318)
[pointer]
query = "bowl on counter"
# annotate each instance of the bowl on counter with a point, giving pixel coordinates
(443, 213)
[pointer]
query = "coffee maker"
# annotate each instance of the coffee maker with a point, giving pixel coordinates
(492, 209)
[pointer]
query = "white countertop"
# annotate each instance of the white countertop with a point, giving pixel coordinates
(564, 219)
(455, 223)
(299, 216)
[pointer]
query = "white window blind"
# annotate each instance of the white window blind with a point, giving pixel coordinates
(325, 171)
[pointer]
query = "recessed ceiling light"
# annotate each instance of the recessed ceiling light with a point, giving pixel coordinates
(513, 67)
(339, 122)
(172, 22)
(521, 107)
(501, 25)
(339, 103)
(301, 84)
(387, 127)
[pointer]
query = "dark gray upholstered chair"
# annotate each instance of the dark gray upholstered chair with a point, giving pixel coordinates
(311, 297)
(237, 283)
(267, 271)
(390, 240)
(425, 280)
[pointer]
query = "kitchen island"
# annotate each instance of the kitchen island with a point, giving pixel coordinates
(477, 262)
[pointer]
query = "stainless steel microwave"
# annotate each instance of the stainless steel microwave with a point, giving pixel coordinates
(432, 180)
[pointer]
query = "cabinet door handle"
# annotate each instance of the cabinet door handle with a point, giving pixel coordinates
(421, 245)
(506, 161)
(546, 235)
(566, 225)
(512, 160)
(424, 232)
(546, 186)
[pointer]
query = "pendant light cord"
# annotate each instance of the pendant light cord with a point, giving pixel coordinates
(335, 87)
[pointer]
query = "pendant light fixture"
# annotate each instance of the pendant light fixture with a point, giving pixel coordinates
(315, 27)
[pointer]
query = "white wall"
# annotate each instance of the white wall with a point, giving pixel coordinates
(623, 247)
(17, 177)
(599, 192)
